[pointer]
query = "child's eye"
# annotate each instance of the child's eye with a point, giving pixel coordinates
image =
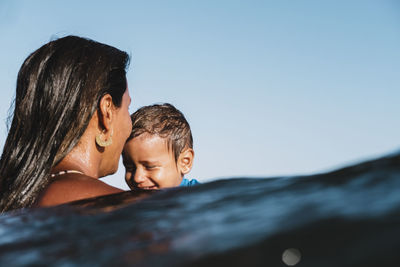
(150, 167)
(130, 168)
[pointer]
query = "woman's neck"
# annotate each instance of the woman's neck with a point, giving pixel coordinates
(84, 158)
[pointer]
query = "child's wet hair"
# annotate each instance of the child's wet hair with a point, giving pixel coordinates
(165, 121)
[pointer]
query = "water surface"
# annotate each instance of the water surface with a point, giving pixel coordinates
(349, 217)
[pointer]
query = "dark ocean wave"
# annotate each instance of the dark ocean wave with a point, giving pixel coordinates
(348, 217)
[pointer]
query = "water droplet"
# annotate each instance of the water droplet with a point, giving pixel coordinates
(291, 256)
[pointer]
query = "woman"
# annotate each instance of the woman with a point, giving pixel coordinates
(70, 123)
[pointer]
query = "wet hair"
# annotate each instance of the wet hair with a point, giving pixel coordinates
(165, 121)
(59, 87)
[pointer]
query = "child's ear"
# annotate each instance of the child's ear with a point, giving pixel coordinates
(185, 161)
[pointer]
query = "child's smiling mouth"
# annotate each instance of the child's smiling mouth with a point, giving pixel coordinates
(148, 187)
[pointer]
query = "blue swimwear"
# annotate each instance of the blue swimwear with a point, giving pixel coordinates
(186, 182)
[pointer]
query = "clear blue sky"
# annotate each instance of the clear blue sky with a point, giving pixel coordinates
(269, 87)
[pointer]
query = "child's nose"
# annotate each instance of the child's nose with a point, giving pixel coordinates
(139, 177)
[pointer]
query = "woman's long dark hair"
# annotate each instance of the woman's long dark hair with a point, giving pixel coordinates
(59, 87)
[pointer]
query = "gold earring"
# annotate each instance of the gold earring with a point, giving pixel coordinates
(100, 142)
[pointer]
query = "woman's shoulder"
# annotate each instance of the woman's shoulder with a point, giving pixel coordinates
(73, 187)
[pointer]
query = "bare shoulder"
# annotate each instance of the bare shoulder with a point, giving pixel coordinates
(73, 187)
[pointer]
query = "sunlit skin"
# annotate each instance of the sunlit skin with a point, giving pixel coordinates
(150, 163)
(120, 134)
(90, 159)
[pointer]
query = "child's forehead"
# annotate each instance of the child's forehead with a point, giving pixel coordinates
(154, 139)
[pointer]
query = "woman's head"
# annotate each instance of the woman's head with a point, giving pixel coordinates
(59, 88)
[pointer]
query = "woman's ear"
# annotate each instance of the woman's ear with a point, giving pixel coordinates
(106, 109)
(185, 161)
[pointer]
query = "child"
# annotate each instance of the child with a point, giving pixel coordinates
(159, 151)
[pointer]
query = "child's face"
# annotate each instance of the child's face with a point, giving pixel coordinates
(150, 164)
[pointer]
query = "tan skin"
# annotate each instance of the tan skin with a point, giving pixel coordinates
(150, 163)
(91, 159)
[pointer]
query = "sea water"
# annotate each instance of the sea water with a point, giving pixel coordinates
(348, 217)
